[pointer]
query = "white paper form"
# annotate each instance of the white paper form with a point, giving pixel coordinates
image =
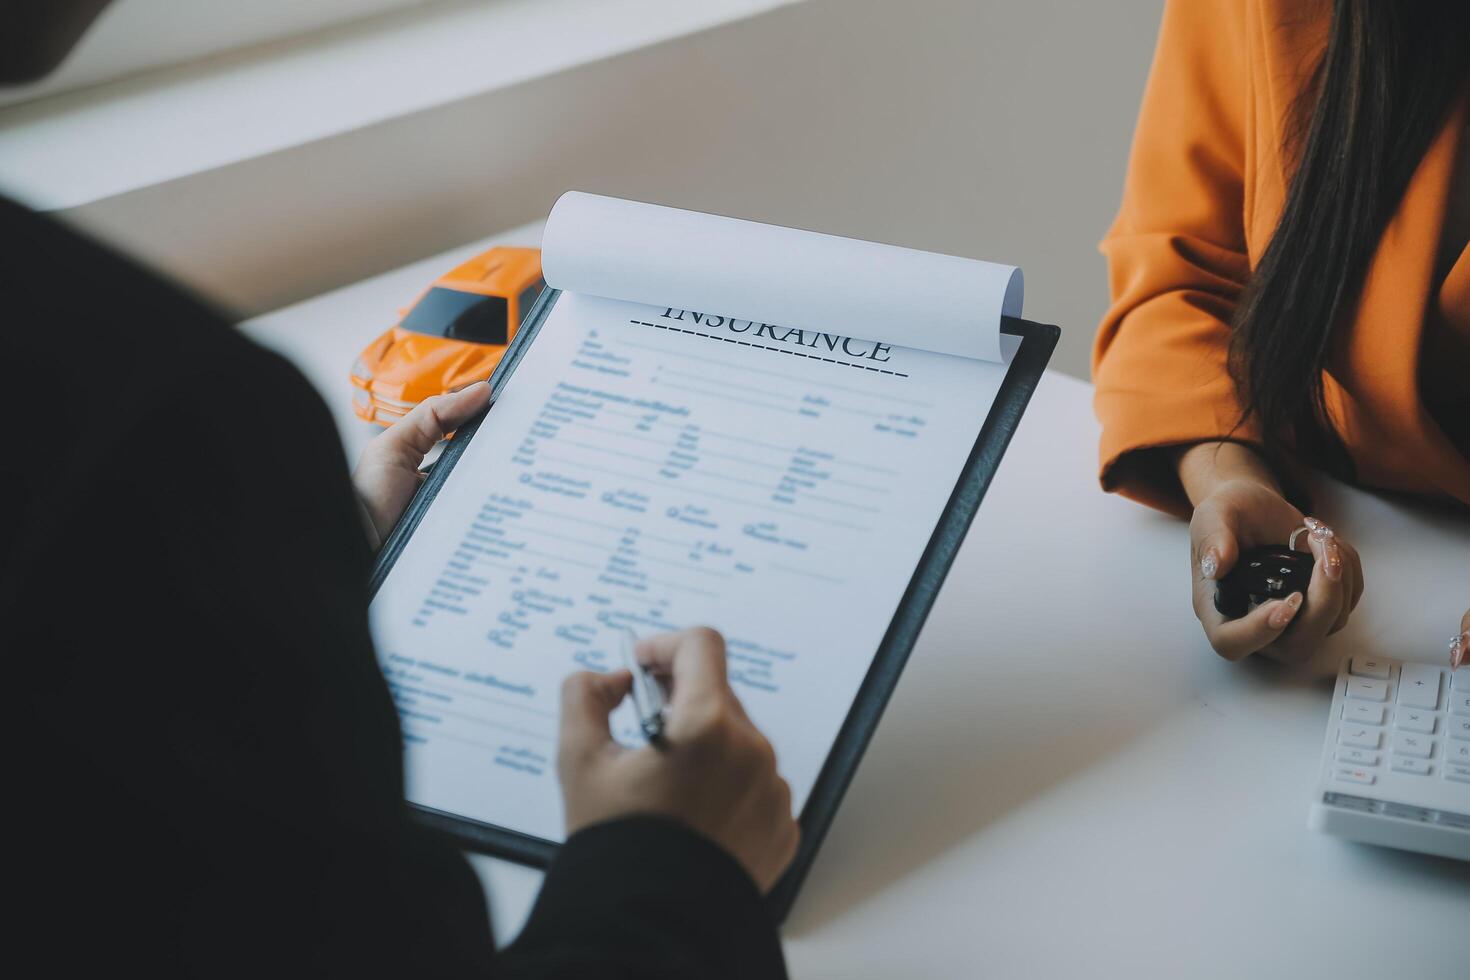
(645, 253)
(656, 468)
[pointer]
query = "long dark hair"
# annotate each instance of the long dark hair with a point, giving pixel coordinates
(1358, 130)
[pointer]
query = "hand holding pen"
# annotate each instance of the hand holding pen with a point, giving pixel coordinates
(710, 770)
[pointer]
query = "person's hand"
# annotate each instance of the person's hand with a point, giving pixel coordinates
(1237, 506)
(387, 475)
(1460, 645)
(714, 772)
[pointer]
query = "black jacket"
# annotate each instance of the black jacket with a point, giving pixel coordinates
(205, 760)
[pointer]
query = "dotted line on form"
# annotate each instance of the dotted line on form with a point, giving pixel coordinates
(778, 350)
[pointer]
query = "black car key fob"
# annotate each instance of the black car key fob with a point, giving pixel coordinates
(1260, 575)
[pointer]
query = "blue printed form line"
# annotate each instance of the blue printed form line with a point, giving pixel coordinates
(725, 365)
(458, 691)
(702, 432)
(778, 350)
(436, 711)
(712, 476)
(707, 493)
(706, 381)
(597, 546)
(780, 467)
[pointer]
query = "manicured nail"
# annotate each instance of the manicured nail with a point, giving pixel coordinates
(1209, 564)
(1459, 647)
(1327, 541)
(1283, 614)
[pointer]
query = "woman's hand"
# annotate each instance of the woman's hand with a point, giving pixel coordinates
(387, 475)
(1237, 505)
(1460, 645)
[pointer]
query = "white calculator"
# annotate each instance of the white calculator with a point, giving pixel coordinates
(1396, 763)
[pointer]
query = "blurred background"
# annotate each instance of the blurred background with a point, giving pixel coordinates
(270, 151)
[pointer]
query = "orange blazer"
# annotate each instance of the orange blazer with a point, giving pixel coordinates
(1205, 187)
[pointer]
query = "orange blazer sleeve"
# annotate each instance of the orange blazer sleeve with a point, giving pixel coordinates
(1177, 257)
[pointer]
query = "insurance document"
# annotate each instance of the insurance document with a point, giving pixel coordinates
(658, 467)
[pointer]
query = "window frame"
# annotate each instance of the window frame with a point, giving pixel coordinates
(132, 37)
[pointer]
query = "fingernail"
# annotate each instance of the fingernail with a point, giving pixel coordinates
(1334, 560)
(1209, 564)
(1283, 614)
(1458, 647)
(1311, 522)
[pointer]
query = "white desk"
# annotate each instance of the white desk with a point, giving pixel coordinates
(1068, 782)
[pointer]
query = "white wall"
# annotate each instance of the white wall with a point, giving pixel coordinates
(997, 129)
(993, 128)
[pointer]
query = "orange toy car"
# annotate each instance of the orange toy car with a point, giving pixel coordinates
(454, 335)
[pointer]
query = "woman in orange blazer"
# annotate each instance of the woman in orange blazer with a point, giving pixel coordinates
(1291, 284)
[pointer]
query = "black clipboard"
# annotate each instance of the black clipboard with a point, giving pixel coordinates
(1038, 340)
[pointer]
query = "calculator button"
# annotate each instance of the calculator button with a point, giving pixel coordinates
(1459, 727)
(1366, 778)
(1414, 721)
(1416, 745)
(1402, 763)
(1357, 757)
(1357, 735)
(1369, 667)
(1419, 686)
(1457, 753)
(1366, 689)
(1460, 774)
(1460, 703)
(1367, 714)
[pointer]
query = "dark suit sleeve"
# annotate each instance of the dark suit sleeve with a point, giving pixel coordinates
(224, 698)
(208, 769)
(646, 897)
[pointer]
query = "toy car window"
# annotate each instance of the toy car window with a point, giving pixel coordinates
(528, 298)
(460, 316)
